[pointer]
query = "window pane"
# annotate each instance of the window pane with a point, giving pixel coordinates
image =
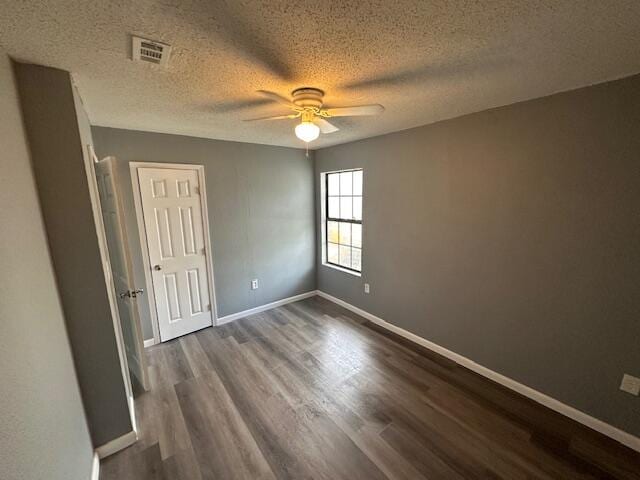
(345, 256)
(334, 207)
(356, 259)
(345, 233)
(346, 183)
(332, 232)
(344, 204)
(357, 182)
(357, 208)
(334, 183)
(356, 235)
(346, 210)
(332, 253)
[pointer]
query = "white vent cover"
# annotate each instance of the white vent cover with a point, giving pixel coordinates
(150, 51)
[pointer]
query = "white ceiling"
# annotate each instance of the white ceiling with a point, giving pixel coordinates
(423, 60)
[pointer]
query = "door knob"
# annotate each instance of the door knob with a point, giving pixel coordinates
(132, 293)
(157, 267)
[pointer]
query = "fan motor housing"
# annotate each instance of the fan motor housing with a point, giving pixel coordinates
(308, 97)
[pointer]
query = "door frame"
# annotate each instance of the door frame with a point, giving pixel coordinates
(144, 245)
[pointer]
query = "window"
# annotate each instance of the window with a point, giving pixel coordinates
(343, 217)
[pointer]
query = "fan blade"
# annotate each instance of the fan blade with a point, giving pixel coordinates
(233, 24)
(234, 105)
(325, 127)
(355, 111)
(276, 117)
(451, 71)
(279, 98)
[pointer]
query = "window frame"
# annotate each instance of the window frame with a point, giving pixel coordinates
(326, 219)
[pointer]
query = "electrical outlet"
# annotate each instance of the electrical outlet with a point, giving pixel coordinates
(254, 284)
(630, 385)
(366, 288)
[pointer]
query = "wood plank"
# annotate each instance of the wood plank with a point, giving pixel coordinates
(311, 391)
(223, 445)
(197, 359)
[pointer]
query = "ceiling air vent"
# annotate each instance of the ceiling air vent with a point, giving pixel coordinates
(150, 51)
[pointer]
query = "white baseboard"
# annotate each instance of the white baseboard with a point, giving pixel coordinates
(610, 431)
(117, 444)
(262, 308)
(95, 467)
(245, 313)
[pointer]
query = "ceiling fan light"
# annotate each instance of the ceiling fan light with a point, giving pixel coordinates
(307, 131)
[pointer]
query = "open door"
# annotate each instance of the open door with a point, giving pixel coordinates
(122, 268)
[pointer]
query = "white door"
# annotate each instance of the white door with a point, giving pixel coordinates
(174, 226)
(121, 268)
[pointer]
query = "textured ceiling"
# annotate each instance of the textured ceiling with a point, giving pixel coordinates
(423, 60)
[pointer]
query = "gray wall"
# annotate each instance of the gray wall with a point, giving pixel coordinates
(260, 201)
(512, 237)
(58, 132)
(43, 431)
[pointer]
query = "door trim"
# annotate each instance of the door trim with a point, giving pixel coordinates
(142, 233)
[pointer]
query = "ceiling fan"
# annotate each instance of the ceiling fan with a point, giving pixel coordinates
(308, 106)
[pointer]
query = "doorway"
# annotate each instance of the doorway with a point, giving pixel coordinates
(173, 223)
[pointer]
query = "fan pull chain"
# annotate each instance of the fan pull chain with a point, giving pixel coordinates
(307, 150)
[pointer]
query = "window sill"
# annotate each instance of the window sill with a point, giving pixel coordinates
(345, 270)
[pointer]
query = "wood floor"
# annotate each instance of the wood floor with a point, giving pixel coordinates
(310, 390)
